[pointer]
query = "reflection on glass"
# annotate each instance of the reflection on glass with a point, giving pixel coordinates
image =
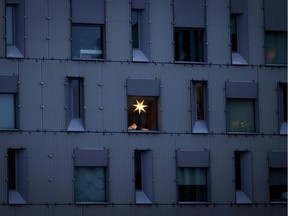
(87, 42)
(10, 25)
(278, 184)
(200, 101)
(135, 29)
(276, 47)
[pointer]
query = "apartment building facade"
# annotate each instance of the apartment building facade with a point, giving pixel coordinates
(143, 107)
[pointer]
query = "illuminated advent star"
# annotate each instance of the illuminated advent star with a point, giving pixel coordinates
(139, 106)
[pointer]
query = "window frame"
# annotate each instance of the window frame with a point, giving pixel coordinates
(282, 107)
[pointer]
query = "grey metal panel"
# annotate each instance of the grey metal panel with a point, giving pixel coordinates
(118, 30)
(275, 15)
(161, 16)
(91, 157)
(189, 158)
(30, 95)
(8, 84)
(22, 173)
(143, 87)
(277, 159)
(189, 13)
(139, 4)
(88, 11)
(241, 90)
(237, 6)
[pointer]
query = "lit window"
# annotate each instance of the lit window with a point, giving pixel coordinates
(199, 107)
(142, 104)
(278, 184)
(87, 42)
(189, 45)
(76, 104)
(143, 177)
(192, 175)
(243, 177)
(90, 173)
(142, 113)
(240, 115)
(276, 47)
(17, 176)
(283, 107)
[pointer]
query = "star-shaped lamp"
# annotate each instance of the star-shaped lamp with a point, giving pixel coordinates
(140, 106)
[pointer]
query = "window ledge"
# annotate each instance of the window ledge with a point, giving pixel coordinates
(242, 198)
(142, 198)
(200, 127)
(76, 125)
(283, 129)
(143, 131)
(194, 203)
(139, 56)
(15, 198)
(278, 203)
(276, 65)
(188, 62)
(237, 59)
(13, 52)
(92, 203)
(242, 133)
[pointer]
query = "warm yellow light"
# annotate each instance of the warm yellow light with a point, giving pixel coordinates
(140, 106)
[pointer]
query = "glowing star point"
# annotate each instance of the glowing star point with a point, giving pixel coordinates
(140, 106)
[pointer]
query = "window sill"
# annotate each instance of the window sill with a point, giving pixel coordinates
(278, 203)
(142, 198)
(194, 203)
(143, 131)
(242, 198)
(15, 198)
(242, 133)
(188, 62)
(283, 129)
(89, 59)
(9, 129)
(92, 203)
(13, 52)
(276, 65)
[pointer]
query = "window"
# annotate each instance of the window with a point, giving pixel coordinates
(87, 41)
(140, 30)
(240, 115)
(17, 176)
(189, 30)
(241, 107)
(239, 32)
(192, 176)
(278, 176)
(8, 95)
(76, 104)
(199, 107)
(243, 177)
(142, 104)
(276, 47)
(88, 29)
(275, 19)
(90, 173)
(143, 176)
(283, 107)
(15, 29)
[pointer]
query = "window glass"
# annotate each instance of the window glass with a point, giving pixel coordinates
(10, 25)
(135, 29)
(192, 184)
(284, 101)
(87, 42)
(142, 113)
(240, 115)
(7, 111)
(200, 101)
(276, 47)
(189, 45)
(90, 184)
(278, 184)
(234, 32)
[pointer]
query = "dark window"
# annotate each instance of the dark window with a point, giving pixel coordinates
(135, 29)
(138, 170)
(87, 41)
(238, 171)
(11, 169)
(142, 113)
(276, 47)
(189, 45)
(192, 184)
(200, 101)
(234, 33)
(284, 101)
(278, 184)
